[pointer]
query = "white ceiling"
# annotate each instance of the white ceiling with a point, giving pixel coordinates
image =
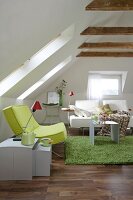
(27, 26)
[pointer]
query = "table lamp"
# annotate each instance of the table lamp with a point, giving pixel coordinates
(71, 93)
(28, 138)
(36, 106)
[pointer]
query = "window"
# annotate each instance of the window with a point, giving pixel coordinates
(100, 85)
(110, 86)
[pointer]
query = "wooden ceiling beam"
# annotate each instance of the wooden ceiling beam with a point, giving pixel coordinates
(126, 45)
(104, 54)
(110, 5)
(108, 31)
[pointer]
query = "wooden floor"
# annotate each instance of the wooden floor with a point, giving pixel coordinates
(69, 182)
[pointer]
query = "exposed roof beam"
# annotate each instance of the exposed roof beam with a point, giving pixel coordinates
(127, 45)
(108, 31)
(110, 5)
(104, 54)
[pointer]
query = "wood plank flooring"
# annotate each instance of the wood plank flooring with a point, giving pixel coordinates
(71, 182)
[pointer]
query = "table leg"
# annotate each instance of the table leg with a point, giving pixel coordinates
(91, 129)
(68, 124)
(115, 132)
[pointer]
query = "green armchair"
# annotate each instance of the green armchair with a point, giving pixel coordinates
(17, 117)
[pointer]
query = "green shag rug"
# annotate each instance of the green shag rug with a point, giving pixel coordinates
(78, 150)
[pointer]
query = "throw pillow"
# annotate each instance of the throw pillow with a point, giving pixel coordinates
(85, 113)
(107, 109)
(100, 109)
(76, 111)
(80, 112)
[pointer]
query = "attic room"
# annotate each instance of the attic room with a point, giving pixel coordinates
(75, 149)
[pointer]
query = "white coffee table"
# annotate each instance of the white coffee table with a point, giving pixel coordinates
(114, 130)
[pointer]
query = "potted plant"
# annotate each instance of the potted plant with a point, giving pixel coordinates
(60, 90)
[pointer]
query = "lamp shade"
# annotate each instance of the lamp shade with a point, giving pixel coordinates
(71, 93)
(36, 106)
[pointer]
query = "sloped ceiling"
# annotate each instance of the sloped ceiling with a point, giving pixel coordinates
(27, 26)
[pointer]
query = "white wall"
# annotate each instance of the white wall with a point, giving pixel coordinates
(77, 75)
(77, 79)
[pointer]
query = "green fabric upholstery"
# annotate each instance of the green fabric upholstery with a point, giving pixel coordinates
(57, 132)
(17, 117)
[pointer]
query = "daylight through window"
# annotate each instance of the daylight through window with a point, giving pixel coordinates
(100, 85)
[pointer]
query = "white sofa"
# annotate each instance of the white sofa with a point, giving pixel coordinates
(91, 106)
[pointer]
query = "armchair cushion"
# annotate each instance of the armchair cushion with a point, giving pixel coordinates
(17, 117)
(56, 132)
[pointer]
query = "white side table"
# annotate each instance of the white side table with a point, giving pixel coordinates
(15, 160)
(19, 162)
(42, 160)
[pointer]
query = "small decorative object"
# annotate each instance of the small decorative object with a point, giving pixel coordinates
(71, 93)
(59, 89)
(28, 138)
(95, 118)
(46, 142)
(53, 98)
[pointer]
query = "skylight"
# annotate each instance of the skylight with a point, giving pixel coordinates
(45, 78)
(36, 60)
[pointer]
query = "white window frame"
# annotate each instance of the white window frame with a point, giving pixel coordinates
(103, 76)
(119, 78)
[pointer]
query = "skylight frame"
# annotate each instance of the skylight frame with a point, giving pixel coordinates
(37, 59)
(45, 78)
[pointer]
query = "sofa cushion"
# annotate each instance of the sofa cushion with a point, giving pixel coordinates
(107, 109)
(88, 105)
(116, 104)
(77, 122)
(104, 109)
